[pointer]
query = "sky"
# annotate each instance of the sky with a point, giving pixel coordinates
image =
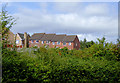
(90, 20)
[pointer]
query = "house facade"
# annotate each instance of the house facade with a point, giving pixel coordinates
(22, 40)
(53, 40)
(42, 39)
(11, 37)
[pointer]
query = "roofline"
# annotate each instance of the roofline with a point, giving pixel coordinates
(77, 37)
(54, 37)
(19, 36)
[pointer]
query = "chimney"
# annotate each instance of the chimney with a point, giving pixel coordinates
(25, 40)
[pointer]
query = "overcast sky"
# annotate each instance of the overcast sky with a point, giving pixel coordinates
(90, 20)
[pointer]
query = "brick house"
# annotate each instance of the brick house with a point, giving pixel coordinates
(35, 39)
(22, 40)
(53, 40)
(10, 37)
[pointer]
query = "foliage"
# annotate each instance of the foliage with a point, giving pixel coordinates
(100, 62)
(6, 23)
(84, 44)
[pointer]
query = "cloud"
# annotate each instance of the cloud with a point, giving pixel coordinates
(64, 22)
(43, 6)
(67, 7)
(110, 36)
(93, 18)
(97, 9)
(88, 37)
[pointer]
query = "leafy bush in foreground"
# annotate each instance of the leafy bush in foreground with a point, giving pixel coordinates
(100, 62)
(61, 65)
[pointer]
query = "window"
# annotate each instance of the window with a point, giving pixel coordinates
(76, 44)
(17, 41)
(69, 43)
(42, 42)
(57, 47)
(31, 41)
(36, 46)
(37, 41)
(58, 43)
(47, 42)
(53, 43)
(64, 43)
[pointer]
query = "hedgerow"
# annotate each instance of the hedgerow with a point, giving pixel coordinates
(100, 62)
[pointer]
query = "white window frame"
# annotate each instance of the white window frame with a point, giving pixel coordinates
(76, 44)
(42, 42)
(37, 40)
(58, 43)
(53, 43)
(17, 41)
(47, 42)
(31, 41)
(70, 43)
(63, 43)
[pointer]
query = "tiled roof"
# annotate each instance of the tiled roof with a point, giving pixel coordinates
(21, 36)
(69, 38)
(29, 35)
(47, 37)
(37, 36)
(52, 37)
(58, 38)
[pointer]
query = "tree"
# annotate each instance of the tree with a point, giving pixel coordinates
(101, 41)
(6, 23)
(85, 44)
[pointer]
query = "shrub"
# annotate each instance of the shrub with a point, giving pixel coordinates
(96, 63)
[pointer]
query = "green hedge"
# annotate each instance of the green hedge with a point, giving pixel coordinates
(97, 63)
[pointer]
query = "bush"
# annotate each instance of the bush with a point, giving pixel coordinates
(96, 63)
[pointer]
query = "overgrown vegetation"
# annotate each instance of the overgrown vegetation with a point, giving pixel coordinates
(6, 22)
(100, 62)
(85, 44)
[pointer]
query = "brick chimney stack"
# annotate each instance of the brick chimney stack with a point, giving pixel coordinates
(25, 41)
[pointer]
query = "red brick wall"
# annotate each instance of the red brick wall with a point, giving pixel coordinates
(62, 46)
(76, 41)
(11, 37)
(72, 46)
(34, 43)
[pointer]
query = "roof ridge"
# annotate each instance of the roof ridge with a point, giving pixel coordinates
(51, 34)
(61, 34)
(20, 33)
(39, 33)
(71, 35)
